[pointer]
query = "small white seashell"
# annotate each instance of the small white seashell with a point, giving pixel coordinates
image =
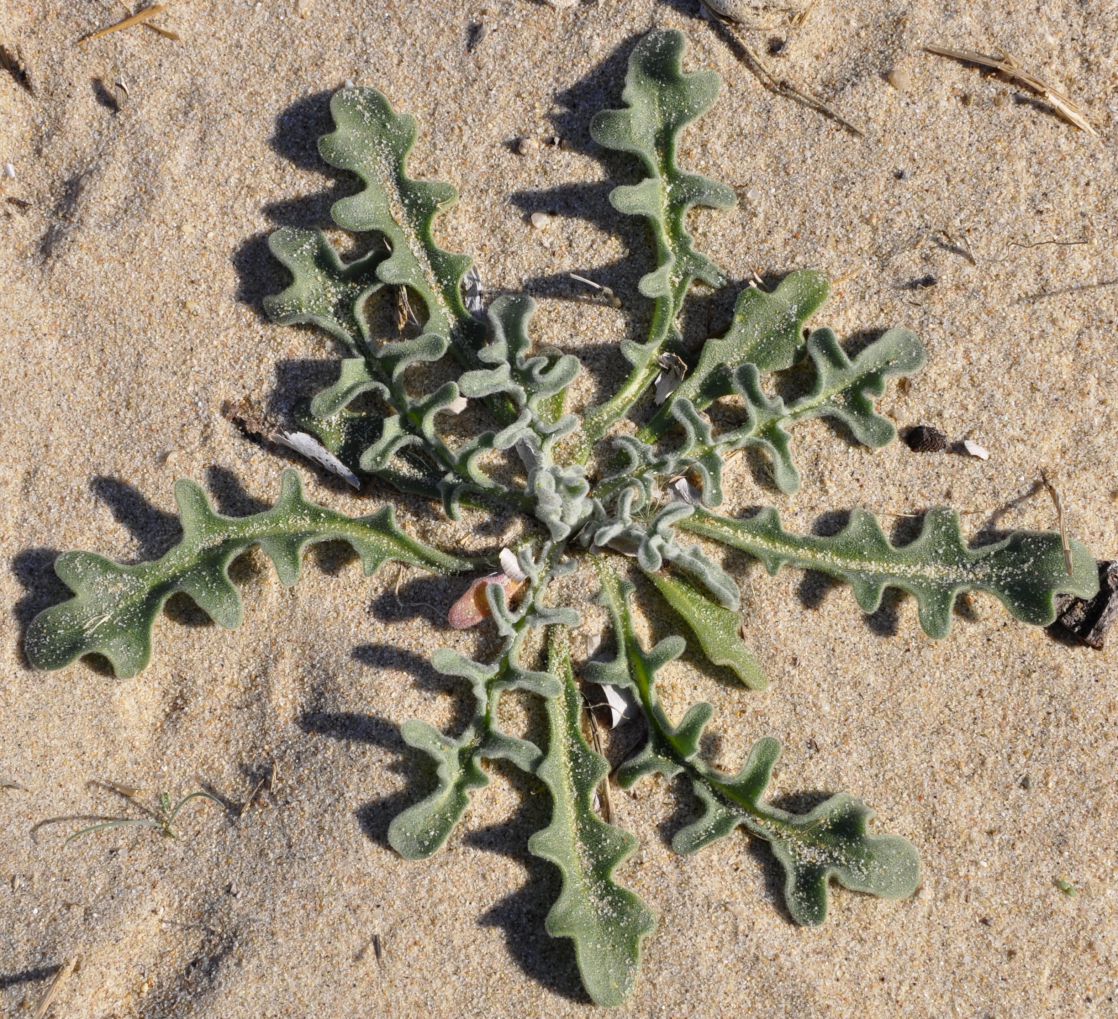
(672, 370)
(974, 449)
(540, 220)
(473, 293)
(622, 705)
(510, 565)
(308, 446)
(687, 492)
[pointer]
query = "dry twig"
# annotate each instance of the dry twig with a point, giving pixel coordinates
(64, 973)
(1011, 69)
(778, 86)
(139, 18)
(1055, 496)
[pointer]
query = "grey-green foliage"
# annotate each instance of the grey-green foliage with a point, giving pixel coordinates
(649, 494)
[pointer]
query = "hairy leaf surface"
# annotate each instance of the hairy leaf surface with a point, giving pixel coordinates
(1025, 571)
(115, 606)
(605, 921)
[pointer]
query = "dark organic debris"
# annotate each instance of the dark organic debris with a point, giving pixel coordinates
(925, 439)
(921, 283)
(1088, 619)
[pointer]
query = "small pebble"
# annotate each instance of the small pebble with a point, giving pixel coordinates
(526, 146)
(10, 170)
(925, 439)
(735, 10)
(541, 220)
(900, 79)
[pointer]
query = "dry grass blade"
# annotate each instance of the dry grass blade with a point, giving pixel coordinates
(56, 985)
(1055, 496)
(605, 807)
(732, 32)
(1008, 66)
(139, 18)
(1075, 288)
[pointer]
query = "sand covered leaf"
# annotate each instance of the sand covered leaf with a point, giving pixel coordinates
(829, 842)
(718, 629)
(373, 141)
(767, 331)
(1024, 571)
(660, 100)
(324, 291)
(605, 921)
(115, 606)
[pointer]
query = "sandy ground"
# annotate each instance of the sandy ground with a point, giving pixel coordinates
(148, 172)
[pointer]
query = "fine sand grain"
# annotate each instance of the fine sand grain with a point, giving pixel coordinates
(147, 174)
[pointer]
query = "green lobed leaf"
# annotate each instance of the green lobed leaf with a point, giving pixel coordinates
(660, 100)
(717, 628)
(767, 332)
(605, 921)
(325, 291)
(372, 141)
(423, 828)
(115, 606)
(1025, 571)
(829, 842)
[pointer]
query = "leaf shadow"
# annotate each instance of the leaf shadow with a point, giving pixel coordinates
(424, 597)
(417, 768)
(295, 138)
(425, 676)
(34, 569)
(590, 202)
(773, 874)
(155, 531)
(521, 915)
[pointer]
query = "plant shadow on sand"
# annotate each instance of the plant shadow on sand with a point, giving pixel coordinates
(548, 961)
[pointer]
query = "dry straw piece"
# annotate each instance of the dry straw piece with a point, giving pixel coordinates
(1008, 66)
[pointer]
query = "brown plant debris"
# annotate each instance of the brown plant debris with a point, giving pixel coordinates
(925, 439)
(731, 31)
(139, 18)
(1007, 66)
(1088, 619)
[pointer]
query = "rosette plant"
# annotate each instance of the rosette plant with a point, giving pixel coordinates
(628, 487)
